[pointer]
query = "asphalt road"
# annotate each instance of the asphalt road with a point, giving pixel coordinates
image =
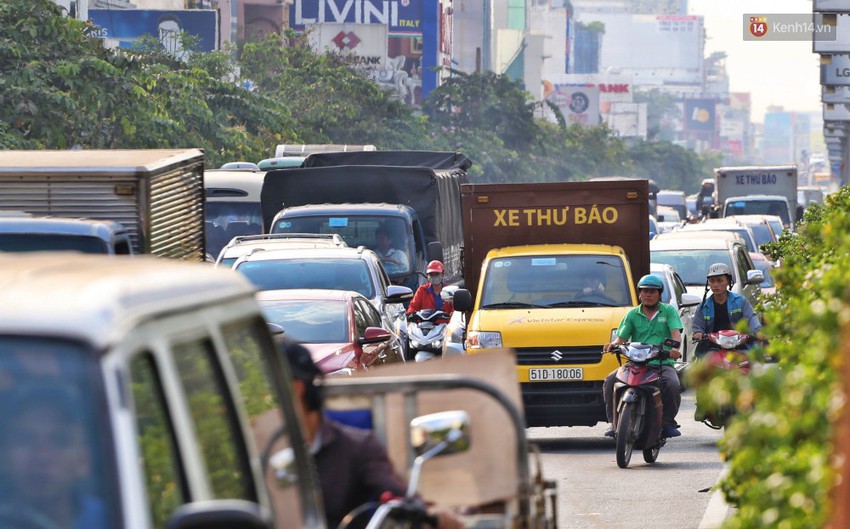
(593, 492)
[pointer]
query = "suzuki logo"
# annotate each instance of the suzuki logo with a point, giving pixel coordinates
(556, 355)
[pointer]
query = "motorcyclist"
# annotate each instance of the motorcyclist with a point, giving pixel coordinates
(650, 322)
(428, 295)
(723, 309)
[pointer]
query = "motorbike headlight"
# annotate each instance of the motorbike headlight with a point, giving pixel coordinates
(345, 372)
(483, 340)
(730, 341)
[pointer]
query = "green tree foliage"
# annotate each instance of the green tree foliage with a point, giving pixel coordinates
(779, 445)
(59, 88)
(330, 101)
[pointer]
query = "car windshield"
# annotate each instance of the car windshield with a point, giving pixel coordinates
(309, 321)
(55, 439)
(29, 242)
(691, 265)
(360, 230)
(777, 227)
(555, 281)
(326, 273)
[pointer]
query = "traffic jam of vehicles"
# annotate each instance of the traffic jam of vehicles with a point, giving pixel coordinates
(564, 276)
(390, 289)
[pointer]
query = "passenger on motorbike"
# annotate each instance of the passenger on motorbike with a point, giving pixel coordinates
(353, 466)
(650, 322)
(722, 310)
(428, 296)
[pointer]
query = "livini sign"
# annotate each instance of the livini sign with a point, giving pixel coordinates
(418, 36)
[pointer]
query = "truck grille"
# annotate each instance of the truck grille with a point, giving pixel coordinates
(534, 356)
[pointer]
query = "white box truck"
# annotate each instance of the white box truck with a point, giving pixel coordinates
(758, 190)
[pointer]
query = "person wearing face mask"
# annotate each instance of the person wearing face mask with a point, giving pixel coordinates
(428, 295)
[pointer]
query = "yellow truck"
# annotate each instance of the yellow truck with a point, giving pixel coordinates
(551, 270)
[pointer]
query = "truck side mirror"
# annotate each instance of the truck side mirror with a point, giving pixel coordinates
(463, 300)
(435, 251)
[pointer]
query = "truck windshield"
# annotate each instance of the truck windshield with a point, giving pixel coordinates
(556, 281)
(387, 236)
(38, 242)
(55, 441)
(692, 265)
(226, 220)
(286, 274)
(758, 207)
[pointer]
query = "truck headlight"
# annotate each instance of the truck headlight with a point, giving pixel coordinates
(483, 340)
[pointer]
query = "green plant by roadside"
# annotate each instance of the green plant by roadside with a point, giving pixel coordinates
(779, 446)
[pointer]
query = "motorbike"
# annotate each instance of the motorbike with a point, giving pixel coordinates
(637, 396)
(425, 334)
(725, 350)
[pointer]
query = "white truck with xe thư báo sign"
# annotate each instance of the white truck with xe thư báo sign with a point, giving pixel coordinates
(758, 190)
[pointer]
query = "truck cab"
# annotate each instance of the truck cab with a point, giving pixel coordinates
(157, 389)
(22, 232)
(359, 224)
(539, 301)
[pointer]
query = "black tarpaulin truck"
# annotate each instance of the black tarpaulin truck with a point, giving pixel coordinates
(426, 200)
(156, 195)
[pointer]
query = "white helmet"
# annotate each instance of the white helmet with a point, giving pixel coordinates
(720, 269)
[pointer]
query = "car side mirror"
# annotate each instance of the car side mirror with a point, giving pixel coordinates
(690, 300)
(375, 335)
(463, 300)
(755, 277)
(398, 294)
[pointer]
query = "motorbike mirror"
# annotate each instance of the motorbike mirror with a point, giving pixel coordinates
(671, 343)
(429, 432)
(436, 434)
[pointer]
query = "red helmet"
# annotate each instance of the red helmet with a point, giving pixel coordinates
(435, 267)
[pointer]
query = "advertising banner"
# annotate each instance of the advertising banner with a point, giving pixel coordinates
(418, 37)
(124, 26)
(835, 70)
(700, 115)
(578, 104)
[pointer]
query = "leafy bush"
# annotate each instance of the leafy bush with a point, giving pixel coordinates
(779, 446)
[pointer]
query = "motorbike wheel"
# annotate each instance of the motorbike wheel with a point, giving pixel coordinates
(651, 454)
(625, 435)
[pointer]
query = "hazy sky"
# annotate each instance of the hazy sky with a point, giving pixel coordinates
(775, 73)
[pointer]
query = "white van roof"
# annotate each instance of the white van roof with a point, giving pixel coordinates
(94, 297)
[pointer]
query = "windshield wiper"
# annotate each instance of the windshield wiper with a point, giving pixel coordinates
(581, 303)
(513, 305)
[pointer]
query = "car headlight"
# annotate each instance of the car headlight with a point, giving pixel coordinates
(483, 340)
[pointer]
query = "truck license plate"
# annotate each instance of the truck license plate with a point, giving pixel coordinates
(555, 374)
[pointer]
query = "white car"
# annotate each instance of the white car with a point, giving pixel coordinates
(675, 294)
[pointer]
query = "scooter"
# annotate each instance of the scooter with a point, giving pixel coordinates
(637, 393)
(727, 351)
(425, 334)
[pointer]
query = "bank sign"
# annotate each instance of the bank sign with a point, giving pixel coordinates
(418, 36)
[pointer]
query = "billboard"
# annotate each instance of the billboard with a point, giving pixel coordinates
(124, 26)
(700, 115)
(419, 35)
(578, 104)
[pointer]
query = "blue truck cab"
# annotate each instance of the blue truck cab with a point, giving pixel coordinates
(358, 225)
